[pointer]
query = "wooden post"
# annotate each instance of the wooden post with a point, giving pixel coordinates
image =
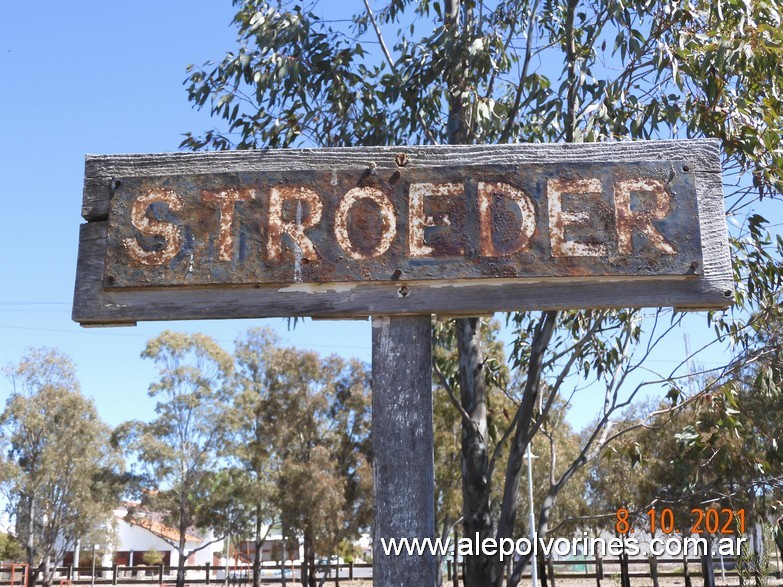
(114, 574)
(403, 468)
(653, 569)
(686, 574)
(209, 572)
(455, 565)
(550, 565)
(707, 567)
(542, 571)
(599, 569)
(625, 580)
(160, 575)
(350, 571)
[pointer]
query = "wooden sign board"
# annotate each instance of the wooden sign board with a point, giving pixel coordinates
(455, 230)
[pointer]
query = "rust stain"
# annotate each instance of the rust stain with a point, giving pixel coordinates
(517, 238)
(301, 196)
(388, 219)
(383, 223)
(148, 226)
(642, 218)
(590, 192)
(226, 199)
(418, 220)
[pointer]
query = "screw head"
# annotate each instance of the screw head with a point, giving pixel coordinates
(401, 159)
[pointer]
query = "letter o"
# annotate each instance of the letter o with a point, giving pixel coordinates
(656, 547)
(388, 217)
(565, 544)
(677, 550)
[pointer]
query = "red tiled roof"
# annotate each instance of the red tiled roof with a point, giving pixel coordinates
(157, 528)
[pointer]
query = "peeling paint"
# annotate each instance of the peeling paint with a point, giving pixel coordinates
(226, 200)
(295, 230)
(590, 193)
(168, 230)
(560, 221)
(418, 220)
(642, 218)
(516, 236)
(388, 217)
(311, 288)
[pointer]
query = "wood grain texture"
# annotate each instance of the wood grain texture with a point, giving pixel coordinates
(703, 154)
(402, 437)
(94, 305)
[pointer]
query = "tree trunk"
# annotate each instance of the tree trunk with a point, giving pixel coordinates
(181, 560)
(455, 577)
(257, 555)
(475, 484)
(439, 557)
(475, 462)
(48, 575)
(309, 562)
(508, 513)
(32, 572)
(257, 564)
(282, 574)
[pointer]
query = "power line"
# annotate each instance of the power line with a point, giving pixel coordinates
(32, 303)
(94, 331)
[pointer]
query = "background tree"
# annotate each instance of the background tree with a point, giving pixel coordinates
(719, 450)
(250, 446)
(300, 434)
(469, 71)
(723, 446)
(320, 497)
(10, 549)
(58, 473)
(176, 453)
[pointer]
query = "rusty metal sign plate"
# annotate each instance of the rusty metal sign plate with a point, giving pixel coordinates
(548, 221)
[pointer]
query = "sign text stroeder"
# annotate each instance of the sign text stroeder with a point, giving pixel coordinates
(407, 224)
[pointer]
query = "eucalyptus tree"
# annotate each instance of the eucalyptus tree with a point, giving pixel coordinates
(176, 466)
(299, 426)
(472, 71)
(249, 448)
(58, 474)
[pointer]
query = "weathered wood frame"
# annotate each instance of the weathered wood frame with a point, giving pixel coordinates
(95, 305)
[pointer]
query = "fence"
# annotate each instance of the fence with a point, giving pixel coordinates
(14, 575)
(234, 575)
(694, 572)
(610, 571)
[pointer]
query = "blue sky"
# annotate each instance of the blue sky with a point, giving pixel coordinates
(100, 77)
(105, 77)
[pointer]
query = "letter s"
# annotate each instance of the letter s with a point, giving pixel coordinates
(148, 226)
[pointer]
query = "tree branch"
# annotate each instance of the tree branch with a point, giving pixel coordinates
(425, 127)
(506, 134)
(447, 386)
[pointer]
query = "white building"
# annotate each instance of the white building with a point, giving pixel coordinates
(142, 532)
